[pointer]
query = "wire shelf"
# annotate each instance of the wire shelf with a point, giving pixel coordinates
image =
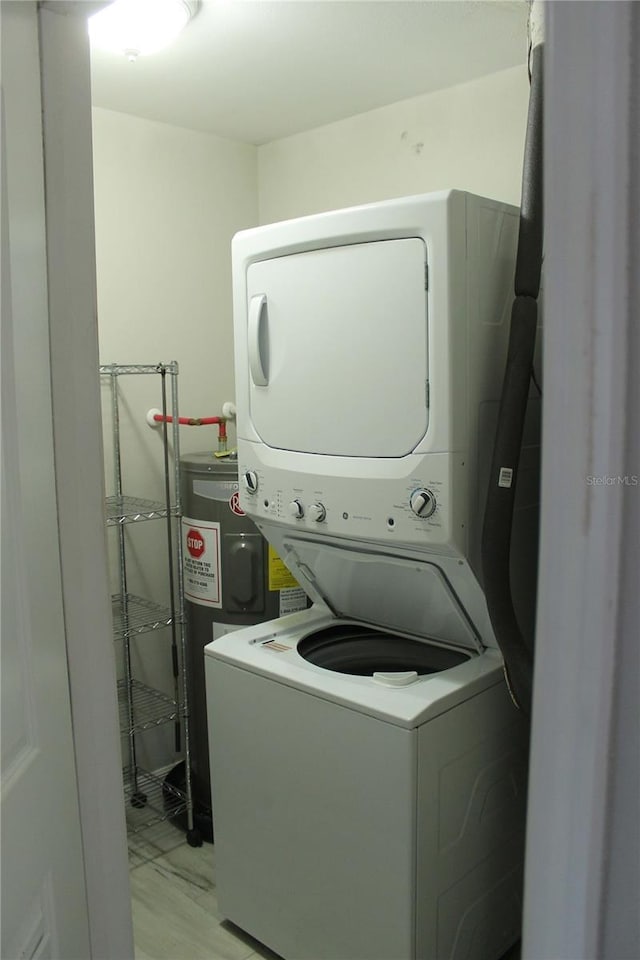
(133, 509)
(149, 803)
(132, 615)
(149, 707)
(139, 368)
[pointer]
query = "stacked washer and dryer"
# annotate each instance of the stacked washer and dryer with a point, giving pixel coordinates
(368, 765)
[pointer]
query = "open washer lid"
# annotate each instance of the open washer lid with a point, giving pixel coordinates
(400, 594)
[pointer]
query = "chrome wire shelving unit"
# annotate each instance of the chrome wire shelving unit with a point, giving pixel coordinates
(149, 827)
(150, 799)
(149, 707)
(132, 615)
(131, 509)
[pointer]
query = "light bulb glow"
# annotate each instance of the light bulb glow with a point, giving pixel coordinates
(138, 27)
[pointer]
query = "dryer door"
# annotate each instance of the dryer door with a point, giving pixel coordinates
(337, 341)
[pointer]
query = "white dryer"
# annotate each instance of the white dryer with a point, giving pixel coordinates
(368, 767)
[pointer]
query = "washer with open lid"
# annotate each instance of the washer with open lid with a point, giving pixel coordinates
(343, 733)
(365, 651)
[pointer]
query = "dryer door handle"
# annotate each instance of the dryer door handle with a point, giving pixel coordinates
(256, 335)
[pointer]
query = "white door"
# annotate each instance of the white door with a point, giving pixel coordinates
(44, 907)
(337, 342)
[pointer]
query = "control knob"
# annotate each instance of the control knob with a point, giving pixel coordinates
(317, 512)
(250, 481)
(296, 509)
(423, 503)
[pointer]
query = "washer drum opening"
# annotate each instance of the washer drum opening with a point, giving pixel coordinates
(362, 651)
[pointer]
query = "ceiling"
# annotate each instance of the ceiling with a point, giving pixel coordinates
(259, 70)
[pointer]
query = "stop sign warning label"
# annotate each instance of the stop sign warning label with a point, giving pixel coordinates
(195, 543)
(201, 562)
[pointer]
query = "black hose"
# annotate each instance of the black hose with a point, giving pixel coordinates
(530, 234)
(498, 518)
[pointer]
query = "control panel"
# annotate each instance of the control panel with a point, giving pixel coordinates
(416, 509)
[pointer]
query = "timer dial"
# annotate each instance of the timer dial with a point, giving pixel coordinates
(423, 503)
(250, 481)
(317, 512)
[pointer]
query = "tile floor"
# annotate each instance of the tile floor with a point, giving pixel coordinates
(175, 909)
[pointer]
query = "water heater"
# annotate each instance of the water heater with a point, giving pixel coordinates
(232, 578)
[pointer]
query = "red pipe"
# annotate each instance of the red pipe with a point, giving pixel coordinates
(191, 421)
(199, 422)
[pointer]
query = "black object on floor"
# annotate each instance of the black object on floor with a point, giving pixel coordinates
(202, 817)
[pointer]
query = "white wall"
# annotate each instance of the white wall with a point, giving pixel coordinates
(167, 202)
(470, 137)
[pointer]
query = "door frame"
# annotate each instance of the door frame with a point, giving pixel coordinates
(80, 485)
(582, 874)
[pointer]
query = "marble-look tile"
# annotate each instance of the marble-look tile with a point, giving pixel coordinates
(141, 955)
(152, 842)
(176, 915)
(209, 901)
(189, 869)
(170, 925)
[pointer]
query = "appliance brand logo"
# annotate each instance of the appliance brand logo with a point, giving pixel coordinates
(234, 505)
(195, 543)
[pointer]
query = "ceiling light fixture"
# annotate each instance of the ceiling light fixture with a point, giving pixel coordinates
(139, 27)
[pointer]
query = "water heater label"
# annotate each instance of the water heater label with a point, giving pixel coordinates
(280, 577)
(201, 562)
(292, 600)
(292, 597)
